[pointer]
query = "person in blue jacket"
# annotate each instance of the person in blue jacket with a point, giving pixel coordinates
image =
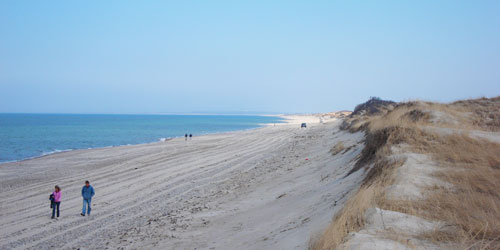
(87, 193)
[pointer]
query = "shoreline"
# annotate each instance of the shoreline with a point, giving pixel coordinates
(163, 139)
(217, 190)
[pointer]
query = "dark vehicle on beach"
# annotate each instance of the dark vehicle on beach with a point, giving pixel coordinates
(303, 125)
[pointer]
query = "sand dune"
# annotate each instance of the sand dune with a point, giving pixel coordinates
(241, 190)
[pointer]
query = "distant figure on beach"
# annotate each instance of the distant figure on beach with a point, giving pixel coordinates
(56, 201)
(190, 136)
(87, 193)
(186, 136)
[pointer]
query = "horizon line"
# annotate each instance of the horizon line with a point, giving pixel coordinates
(157, 113)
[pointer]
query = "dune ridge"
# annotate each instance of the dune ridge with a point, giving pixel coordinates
(432, 178)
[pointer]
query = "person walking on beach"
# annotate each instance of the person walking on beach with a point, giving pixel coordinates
(186, 136)
(56, 201)
(87, 193)
(190, 136)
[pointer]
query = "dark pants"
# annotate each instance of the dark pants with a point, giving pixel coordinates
(54, 206)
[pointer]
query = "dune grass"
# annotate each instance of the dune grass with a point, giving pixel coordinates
(470, 209)
(339, 147)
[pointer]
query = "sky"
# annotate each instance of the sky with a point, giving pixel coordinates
(243, 56)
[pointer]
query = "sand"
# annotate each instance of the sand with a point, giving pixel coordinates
(266, 188)
(412, 181)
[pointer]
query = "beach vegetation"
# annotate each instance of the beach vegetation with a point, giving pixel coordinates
(458, 138)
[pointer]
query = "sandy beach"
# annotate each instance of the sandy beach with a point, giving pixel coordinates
(266, 188)
(186, 117)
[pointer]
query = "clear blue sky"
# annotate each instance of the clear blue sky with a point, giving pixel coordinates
(268, 56)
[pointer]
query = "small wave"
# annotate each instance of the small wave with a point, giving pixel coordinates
(53, 152)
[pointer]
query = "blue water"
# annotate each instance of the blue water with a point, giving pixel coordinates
(25, 136)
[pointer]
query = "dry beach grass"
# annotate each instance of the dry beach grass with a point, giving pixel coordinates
(467, 207)
(414, 164)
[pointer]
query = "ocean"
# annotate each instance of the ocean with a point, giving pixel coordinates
(24, 136)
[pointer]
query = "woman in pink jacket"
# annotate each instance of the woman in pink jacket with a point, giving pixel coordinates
(57, 201)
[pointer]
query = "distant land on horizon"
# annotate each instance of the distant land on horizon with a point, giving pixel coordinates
(176, 113)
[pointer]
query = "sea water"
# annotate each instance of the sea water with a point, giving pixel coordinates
(24, 136)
